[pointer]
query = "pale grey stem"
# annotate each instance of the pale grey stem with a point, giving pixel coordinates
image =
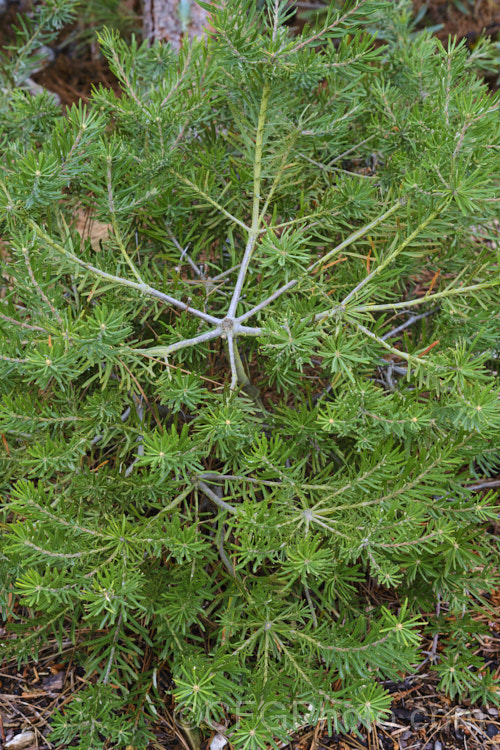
(408, 323)
(21, 324)
(241, 276)
(268, 301)
(350, 150)
(388, 376)
(253, 231)
(164, 351)
(180, 305)
(211, 475)
(246, 330)
(213, 280)
(311, 605)
(484, 485)
(348, 241)
(225, 273)
(232, 361)
(123, 418)
(184, 253)
(113, 647)
(394, 368)
(143, 288)
(225, 559)
(191, 262)
(214, 498)
(146, 289)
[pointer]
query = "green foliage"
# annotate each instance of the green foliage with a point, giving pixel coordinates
(32, 35)
(258, 405)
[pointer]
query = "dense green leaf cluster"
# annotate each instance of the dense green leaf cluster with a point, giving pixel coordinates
(244, 414)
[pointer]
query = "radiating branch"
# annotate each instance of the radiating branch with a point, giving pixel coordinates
(394, 253)
(164, 351)
(450, 291)
(140, 287)
(254, 229)
(214, 498)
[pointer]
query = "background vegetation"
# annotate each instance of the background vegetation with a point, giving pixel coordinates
(244, 427)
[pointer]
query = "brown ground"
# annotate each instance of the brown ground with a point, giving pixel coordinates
(73, 76)
(422, 717)
(484, 15)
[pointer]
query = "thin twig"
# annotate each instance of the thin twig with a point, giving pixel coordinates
(484, 485)
(143, 288)
(253, 231)
(311, 605)
(113, 648)
(359, 233)
(393, 255)
(37, 286)
(222, 552)
(348, 241)
(184, 254)
(350, 150)
(408, 357)
(413, 319)
(22, 324)
(234, 374)
(214, 498)
(427, 298)
(267, 301)
(164, 351)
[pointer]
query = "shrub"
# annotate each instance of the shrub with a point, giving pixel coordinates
(244, 415)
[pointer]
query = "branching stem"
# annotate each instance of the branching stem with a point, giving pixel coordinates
(164, 351)
(359, 233)
(140, 287)
(254, 229)
(393, 255)
(428, 297)
(215, 498)
(413, 319)
(348, 241)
